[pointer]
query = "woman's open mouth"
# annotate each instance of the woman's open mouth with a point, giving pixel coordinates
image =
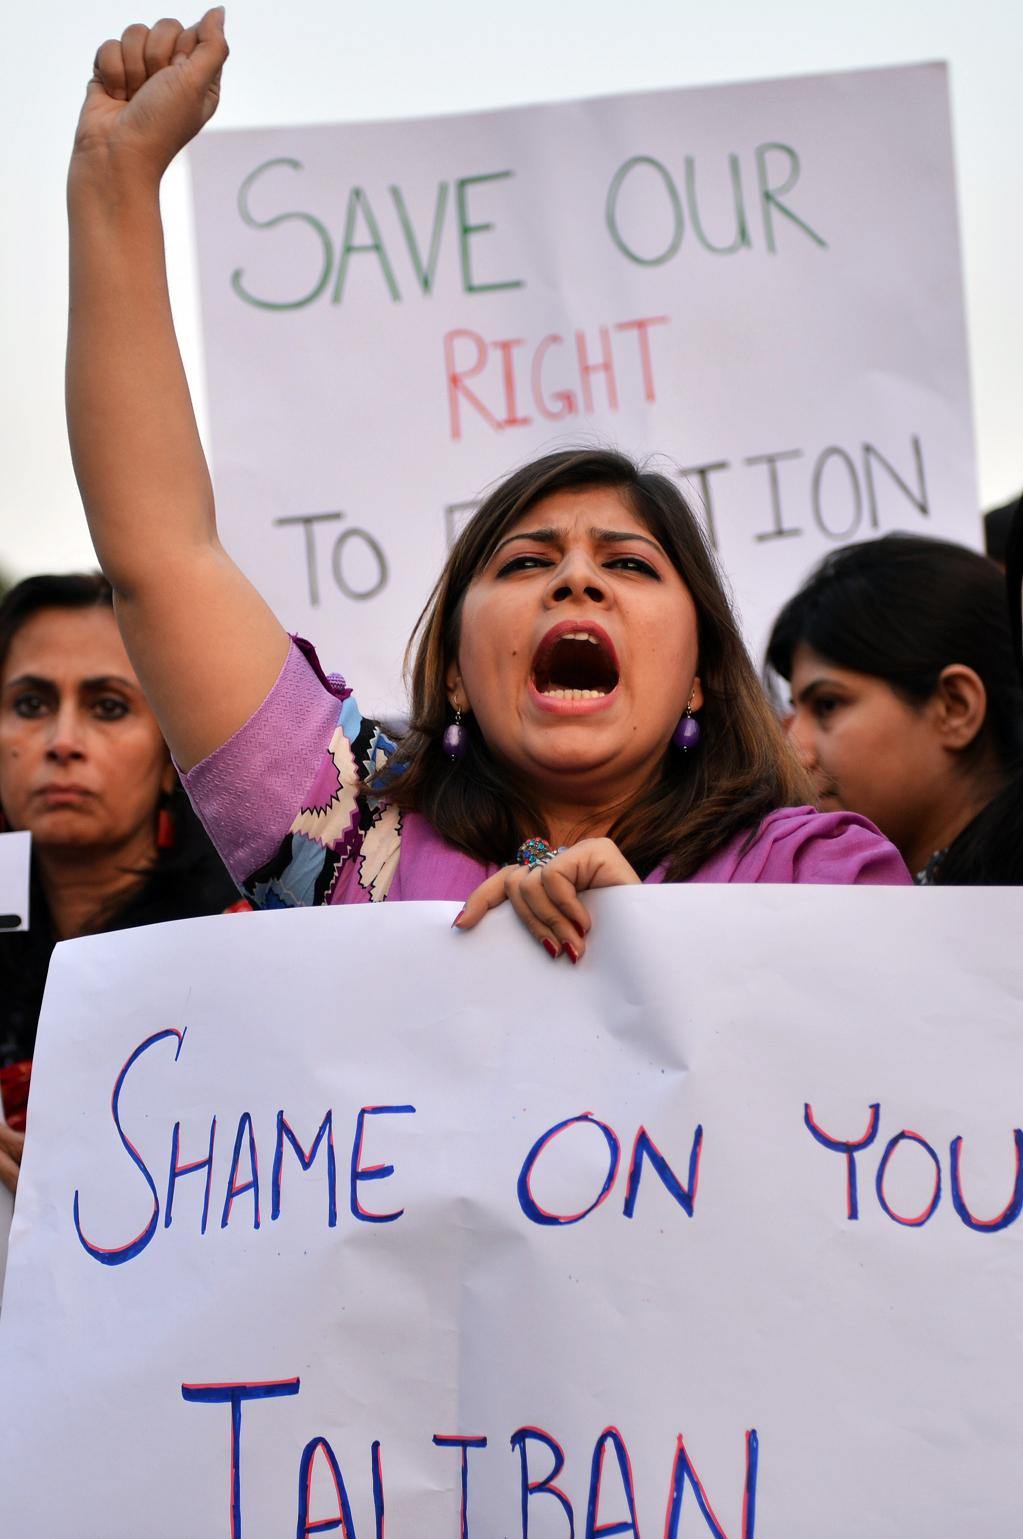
(575, 662)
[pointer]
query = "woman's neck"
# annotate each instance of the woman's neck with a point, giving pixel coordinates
(82, 885)
(591, 817)
(967, 796)
(567, 824)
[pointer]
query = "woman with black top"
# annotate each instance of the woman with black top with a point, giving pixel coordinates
(907, 702)
(84, 768)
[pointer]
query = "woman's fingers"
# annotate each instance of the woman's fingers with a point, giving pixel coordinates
(108, 69)
(489, 894)
(133, 52)
(9, 1172)
(543, 921)
(161, 44)
(211, 48)
(207, 57)
(186, 43)
(11, 1145)
(546, 898)
(555, 910)
(559, 923)
(561, 888)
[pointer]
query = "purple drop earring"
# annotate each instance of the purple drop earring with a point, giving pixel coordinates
(687, 734)
(456, 738)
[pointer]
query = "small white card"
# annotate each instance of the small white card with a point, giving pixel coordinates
(14, 853)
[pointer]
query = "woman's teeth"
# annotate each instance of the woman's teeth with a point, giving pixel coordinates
(574, 694)
(565, 658)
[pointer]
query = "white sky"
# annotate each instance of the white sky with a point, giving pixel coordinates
(330, 61)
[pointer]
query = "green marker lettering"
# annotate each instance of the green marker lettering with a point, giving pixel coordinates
(770, 197)
(424, 274)
(358, 202)
(466, 228)
(326, 244)
(742, 236)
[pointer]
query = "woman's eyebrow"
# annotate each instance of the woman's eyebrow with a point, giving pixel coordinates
(616, 536)
(107, 679)
(809, 690)
(546, 536)
(550, 536)
(32, 680)
(103, 681)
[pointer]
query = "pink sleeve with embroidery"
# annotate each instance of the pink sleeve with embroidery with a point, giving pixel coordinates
(286, 802)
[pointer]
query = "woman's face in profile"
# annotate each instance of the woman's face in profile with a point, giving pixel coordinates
(869, 750)
(578, 647)
(82, 761)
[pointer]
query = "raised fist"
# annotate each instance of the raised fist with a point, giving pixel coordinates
(152, 91)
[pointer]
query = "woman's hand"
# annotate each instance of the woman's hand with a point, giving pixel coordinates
(546, 899)
(11, 1145)
(152, 91)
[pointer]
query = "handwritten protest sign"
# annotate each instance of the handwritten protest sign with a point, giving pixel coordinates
(758, 282)
(339, 1218)
(15, 850)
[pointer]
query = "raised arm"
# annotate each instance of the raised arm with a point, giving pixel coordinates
(205, 645)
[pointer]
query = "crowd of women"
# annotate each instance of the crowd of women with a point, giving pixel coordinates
(583, 712)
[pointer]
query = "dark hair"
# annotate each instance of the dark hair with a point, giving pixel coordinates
(743, 769)
(1014, 581)
(997, 529)
(187, 879)
(67, 590)
(903, 608)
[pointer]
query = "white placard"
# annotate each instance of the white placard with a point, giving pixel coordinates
(828, 1345)
(15, 853)
(6, 1215)
(758, 282)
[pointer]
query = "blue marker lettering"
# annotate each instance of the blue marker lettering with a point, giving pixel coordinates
(446, 1440)
(644, 1147)
(117, 1255)
(849, 1147)
(935, 1197)
(305, 1160)
(233, 1395)
(177, 1170)
(371, 1172)
(595, 1530)
(545, 1486)
(378, 1491)
(307, 1525)
(236, 1188)
(528, 1203)
(1010, 1213)
(683, 1471)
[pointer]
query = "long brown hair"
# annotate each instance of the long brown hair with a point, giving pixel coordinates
(693, 803)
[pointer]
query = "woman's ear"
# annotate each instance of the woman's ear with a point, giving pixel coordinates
(457, 697)
(696, 697)
(169, 779)
(960, 706)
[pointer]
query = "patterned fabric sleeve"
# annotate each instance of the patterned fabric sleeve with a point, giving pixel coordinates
(286, 800)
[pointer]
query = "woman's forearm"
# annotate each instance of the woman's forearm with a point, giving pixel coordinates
(134, 440)
(185, 610)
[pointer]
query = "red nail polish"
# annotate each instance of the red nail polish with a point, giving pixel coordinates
(571, 953)
(457, 919)
(550, 948)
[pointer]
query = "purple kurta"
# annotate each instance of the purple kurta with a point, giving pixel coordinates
(285, 801)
